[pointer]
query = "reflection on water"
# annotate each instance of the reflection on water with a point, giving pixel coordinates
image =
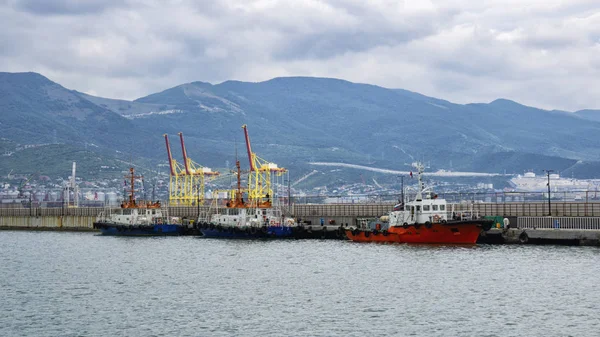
(82, 284)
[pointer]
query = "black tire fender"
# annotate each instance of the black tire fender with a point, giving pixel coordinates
(523, 238)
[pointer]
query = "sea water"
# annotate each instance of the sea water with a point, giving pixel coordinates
(84, 284)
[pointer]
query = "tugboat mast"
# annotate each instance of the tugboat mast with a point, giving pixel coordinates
(420, 169)
(131, 202)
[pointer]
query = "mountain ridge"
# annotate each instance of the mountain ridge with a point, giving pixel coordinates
(294, 120)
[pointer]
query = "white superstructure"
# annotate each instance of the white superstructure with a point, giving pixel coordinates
(530, 182)
(425, 209)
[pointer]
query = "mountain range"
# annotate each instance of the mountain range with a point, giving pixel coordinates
(295, 120)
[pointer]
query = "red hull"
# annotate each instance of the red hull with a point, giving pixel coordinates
(464, 232)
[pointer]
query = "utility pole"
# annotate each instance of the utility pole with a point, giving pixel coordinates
(198, 201)
(548, 184)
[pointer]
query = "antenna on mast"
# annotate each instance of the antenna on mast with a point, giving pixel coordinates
(402, 186)
(236, 148)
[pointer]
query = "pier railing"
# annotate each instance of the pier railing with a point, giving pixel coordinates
(591, 223)
(540, 208)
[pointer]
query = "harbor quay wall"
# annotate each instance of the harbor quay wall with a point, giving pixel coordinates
(328, 218)
(67, 222)
(571, 237)
(574, 215)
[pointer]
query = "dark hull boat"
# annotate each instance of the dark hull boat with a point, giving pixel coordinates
(138, 218)
(246, 217)
(235, 232)
(139, 230)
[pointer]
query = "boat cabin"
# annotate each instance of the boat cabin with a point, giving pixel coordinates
(422, 210)
(251, 217)
(137, 215)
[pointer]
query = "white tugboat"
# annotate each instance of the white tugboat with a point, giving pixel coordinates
(138, 218)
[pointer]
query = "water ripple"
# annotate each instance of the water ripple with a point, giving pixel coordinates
(81, 284)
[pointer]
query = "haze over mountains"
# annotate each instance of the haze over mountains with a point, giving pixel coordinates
(295, 120)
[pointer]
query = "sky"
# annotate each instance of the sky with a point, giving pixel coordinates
(542, 53)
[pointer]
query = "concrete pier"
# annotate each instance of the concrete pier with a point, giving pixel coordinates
(67, 222)
(324, 220)
(571, 237)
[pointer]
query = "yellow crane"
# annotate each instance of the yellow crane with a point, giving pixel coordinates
(176, 177)
(260, 176)
(195, 174)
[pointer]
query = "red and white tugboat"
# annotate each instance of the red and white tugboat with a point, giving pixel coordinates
(138, 218)
(425, 220)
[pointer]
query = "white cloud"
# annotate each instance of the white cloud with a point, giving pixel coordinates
(541, 53)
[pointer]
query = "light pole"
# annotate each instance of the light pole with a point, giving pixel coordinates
(198, 202)
(548, 184)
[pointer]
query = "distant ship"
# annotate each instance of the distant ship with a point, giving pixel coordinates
(424, 220)
(569, 188)
(138, 218)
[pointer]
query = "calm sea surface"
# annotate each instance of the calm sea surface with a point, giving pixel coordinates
(83, 284)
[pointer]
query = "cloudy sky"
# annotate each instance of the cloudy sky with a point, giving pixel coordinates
(544, 53)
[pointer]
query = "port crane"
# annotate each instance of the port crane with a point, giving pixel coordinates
(176, 177)
(186, 183)
(23, 184)
(260, 177)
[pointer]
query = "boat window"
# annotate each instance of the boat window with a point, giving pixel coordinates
(153, 211)
(126, 212)
(418, 208)
(425, 207)
(435, 207)
(264, 212)
(442, 207)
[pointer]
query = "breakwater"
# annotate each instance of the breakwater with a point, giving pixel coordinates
(317, 214)
(573, 223)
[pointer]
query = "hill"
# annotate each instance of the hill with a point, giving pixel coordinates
(295, 120)
(299, 119)
(593, 115)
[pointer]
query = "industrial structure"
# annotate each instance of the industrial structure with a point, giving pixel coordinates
(71, 187)
(262, 176)
(186, 182)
